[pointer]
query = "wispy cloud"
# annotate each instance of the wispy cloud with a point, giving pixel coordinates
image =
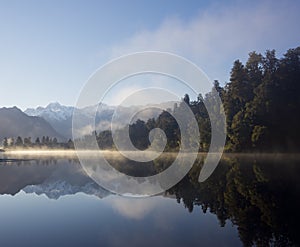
(221, 34)
(146, 89)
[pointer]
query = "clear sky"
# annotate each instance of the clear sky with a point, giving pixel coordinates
(48, 49)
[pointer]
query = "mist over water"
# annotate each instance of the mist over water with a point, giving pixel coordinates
(244, 190)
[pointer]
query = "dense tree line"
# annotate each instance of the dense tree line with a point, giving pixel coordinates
(261, 104)
(44, 142)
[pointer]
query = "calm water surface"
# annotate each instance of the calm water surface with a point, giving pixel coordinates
(249, 200)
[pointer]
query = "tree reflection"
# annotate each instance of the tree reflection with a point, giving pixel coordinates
(257, 194)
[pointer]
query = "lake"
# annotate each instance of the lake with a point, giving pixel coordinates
(249, 200)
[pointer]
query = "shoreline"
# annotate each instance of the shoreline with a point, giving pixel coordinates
(58, 152)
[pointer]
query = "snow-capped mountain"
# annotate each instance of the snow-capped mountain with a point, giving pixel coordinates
(56, 189)
(60, 116)
(54, 111)
(58, 178)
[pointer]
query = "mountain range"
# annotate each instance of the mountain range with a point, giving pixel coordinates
(55, 120)
(53, 179)
(60, 117)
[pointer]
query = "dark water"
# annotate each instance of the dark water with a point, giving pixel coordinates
(249, 200)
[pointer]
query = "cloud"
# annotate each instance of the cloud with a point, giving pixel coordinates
(220, 34)
(145, 89)
(134, 208)
(117, 96)
(85, 130)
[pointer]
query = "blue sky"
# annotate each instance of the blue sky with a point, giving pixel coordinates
(48, 49)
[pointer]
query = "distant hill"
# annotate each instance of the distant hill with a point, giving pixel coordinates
(14, 122)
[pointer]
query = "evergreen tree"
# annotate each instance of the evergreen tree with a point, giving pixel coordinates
(37, 141)
(19, 142)
(5, 142)
(12, 142)
(27, 141)
(261, 104)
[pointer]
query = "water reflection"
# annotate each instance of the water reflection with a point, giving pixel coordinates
(257, 194)
(50, 176)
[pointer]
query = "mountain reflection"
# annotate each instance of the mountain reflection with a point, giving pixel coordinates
(52, 177)
(259, 194)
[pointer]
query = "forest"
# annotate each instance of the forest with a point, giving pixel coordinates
(45, 142)
(261, 105)
(260, 101)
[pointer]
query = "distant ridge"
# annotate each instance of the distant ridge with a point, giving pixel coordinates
(14, 122)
